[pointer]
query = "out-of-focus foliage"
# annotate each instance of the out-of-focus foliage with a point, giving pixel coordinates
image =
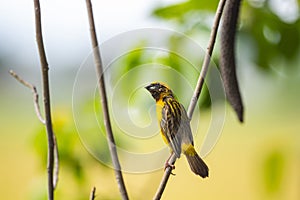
(275, 43)
(179, 11)
(67, 143)
(268, 38)
(274, 34)
(75, 163)
(273, 170)
(276, 40)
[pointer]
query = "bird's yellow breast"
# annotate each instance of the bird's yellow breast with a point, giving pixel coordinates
(159, 107)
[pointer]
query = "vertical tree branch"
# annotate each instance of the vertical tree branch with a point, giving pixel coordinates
(102, 91)
(46, 98)
(197, 91)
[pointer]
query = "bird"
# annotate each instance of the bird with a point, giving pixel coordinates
(175, 127)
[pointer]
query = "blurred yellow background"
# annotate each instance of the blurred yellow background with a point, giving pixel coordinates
(259, 159)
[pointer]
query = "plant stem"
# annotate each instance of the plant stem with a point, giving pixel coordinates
(206, 62)
(46, 98)
(102, 91)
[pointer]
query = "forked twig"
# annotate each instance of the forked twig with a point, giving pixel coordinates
(34, 93)
(42, 120)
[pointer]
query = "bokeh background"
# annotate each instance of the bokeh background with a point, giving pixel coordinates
(259, 159)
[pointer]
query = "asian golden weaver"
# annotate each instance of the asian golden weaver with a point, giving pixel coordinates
(175, 127)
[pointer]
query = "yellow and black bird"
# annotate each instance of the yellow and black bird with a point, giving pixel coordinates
(175, 127)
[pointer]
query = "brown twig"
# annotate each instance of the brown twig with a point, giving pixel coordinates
(165, 178)
(56, 163)
(207, 57)
(34, 93)
(197, 91)
(42, 120)
(46, 99)
(93, 193)
(102, 91)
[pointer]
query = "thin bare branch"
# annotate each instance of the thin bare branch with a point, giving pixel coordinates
(197, 91)
(34, 93)
(56, 163)
(206, 62)
(46, 98)
(42, 120)
(165, 178)
(93, 193)
(102, 91)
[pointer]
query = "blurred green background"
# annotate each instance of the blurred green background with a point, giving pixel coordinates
(259, 159)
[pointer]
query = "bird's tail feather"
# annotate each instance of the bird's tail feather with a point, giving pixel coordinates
(197, 165)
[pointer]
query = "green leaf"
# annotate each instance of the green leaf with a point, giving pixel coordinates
(178, 11)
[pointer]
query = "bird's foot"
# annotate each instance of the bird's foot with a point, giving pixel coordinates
(168, 165)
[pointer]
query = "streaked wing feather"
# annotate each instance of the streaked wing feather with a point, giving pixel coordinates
(171, 124)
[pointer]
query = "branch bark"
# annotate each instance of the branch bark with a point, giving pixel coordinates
(46, 99)
(197, 91)
(206, 62)
(102, 91)
(42, 120)
(93, 193)
(165, 178)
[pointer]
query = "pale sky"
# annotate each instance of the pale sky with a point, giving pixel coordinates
(65, 26)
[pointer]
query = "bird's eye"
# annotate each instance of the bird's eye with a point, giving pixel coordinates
(152, 88)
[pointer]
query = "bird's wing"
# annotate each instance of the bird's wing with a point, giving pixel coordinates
(171, 124)
(185, 127)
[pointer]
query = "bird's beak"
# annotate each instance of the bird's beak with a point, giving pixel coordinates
(148, 88)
